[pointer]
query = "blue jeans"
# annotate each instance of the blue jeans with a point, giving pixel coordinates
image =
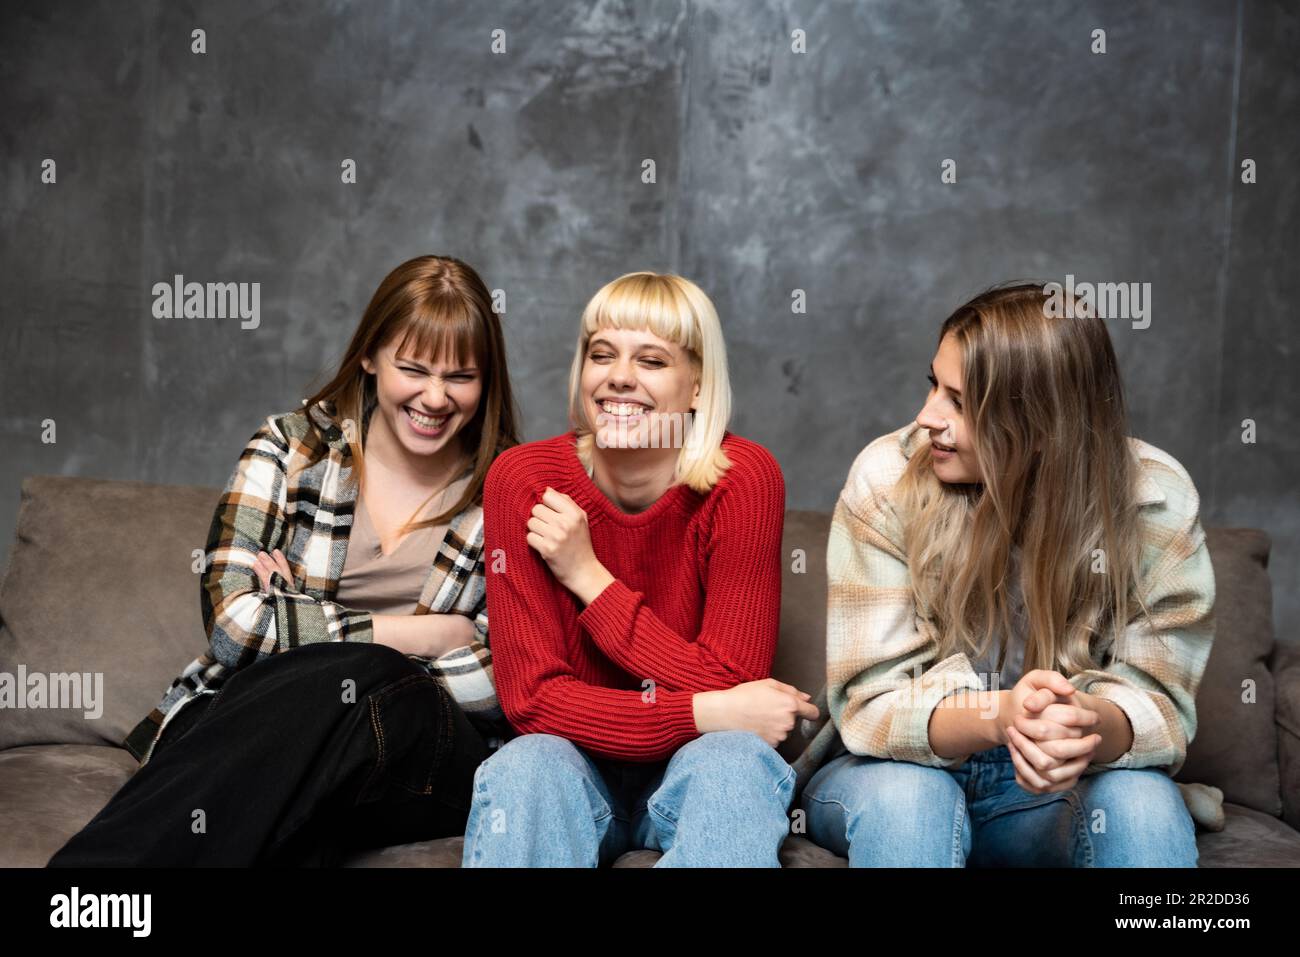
(884, 813)
(720, 801)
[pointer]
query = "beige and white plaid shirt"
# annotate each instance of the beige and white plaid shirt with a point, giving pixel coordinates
(883, 680)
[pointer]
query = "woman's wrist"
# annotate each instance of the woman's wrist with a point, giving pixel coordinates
(385, 632)
(969, 721)
(590, 582)
(1115, 728)
(427, 636)
(1002, 717)
(705, 709)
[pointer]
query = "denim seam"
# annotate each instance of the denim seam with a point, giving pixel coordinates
(653, 808)
(482, 801)
(443, 731)
(958, 828)
(844, 812)
(1081, 822)
(787, 779)
(378, 727)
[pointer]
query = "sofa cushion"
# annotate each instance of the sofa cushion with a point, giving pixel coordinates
(1249, 839)
(795, 852)
(801, 648)
(1235, 748)
(1286, 676)
(446, 852)
(101, 583)
(439, 852)
(50, 792)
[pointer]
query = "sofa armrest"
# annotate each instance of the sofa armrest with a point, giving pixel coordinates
(1285, 666)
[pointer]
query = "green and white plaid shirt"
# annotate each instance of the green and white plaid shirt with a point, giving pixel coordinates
(272, 502)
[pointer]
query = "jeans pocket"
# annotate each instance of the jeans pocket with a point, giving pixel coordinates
(411, 723)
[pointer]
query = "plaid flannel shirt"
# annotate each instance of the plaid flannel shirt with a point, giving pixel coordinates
(883, 680)
(271, 502)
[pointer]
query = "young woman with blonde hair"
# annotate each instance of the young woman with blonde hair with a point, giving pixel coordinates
(1020, 611)
(346, 697)
(634, 578)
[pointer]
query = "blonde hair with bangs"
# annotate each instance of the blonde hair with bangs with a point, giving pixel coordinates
(676, 310)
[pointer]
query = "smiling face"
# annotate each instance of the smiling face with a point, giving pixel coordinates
(630, 375)
(952, 444)
(423, 404)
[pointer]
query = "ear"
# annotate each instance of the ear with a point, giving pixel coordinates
(367, 365)
(695, 398)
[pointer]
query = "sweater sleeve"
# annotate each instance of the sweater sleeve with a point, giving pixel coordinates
(1156, 667)
(244, 623)
(537, 686)
(742, 603)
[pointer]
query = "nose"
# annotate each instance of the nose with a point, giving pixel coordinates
(930, 419)
(622, 374)
(435, 395)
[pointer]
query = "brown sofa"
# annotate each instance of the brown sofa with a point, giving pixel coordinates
(89, 589)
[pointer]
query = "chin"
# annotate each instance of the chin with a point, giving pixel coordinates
(946, 472)
(611, 437)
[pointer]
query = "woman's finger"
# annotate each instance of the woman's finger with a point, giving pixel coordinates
(1027, 771)
(1032, 753)
(808, 711)
(1011, 749)
(1071, 716)
(559, 500)
(1065, 777)
(1040, 729)
(789, 689)
(259, 567)
(544, 513)
(283, 564)
(1068, 749)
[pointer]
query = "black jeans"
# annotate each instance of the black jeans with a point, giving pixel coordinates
(295, 761)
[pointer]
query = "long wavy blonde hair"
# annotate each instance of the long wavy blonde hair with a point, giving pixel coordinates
(1045, 412)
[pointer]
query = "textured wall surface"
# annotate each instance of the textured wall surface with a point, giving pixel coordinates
(776, 170)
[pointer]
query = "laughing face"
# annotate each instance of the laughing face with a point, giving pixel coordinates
(951, 447)
(423, 403)
(628, 378)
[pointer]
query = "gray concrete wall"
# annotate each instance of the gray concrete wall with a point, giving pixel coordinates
(776, 171)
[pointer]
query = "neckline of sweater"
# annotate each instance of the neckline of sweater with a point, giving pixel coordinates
(598, 505)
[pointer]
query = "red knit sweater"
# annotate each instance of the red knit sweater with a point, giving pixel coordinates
(695, 604)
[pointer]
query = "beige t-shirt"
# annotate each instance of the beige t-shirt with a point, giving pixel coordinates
(391, 584)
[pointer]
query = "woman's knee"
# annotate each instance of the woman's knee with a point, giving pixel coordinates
(350, 666)
(1137, 818)
(732, 755)
(533, 763)
(886, 812)
(889, 788)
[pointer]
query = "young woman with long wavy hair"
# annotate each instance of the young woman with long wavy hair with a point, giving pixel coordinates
(1020, 611)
